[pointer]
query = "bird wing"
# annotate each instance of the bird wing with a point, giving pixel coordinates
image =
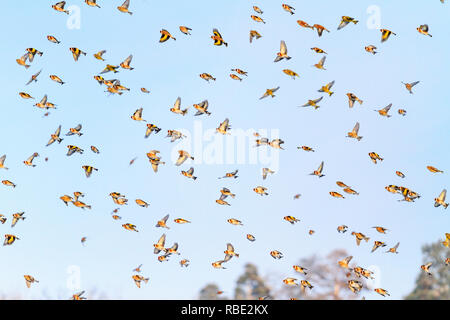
(128, 60)
(177, 104)
(322, 61)
(330, 84)
(443, 195)
(283, 47)
(356, 128)
(50, 141)
(342, 24)
(180, 160)
(126, 4)
(162, 240)
(320, 167)
(387, 108)
(58, 131)
(223, 196)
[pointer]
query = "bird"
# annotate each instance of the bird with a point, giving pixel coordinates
(291, 73)
(185, 30)
(76, 53)
(177, 107)
(384, 111)
(16, 217)
(217, 37)
(288, 8)
(440, 200)
(159, 246)
(345, 21)
(224, 127)
(29, 280)
(257, 19)
(124, 7)
(254, 34)
(165, 35)
(283, 52)
(318, 172)
(320, 29)
(426, 267)
(29, 161)
(320, 64)
(354, 132)
(53, 39)
(75, 131)
(88, 170)
(202, 108)
(423, 29)
(34, 77)
(326, 88)
(371, 49)
(60, 7)
(137, 115)
(162, 223)
(409, 86)
(394, 248)
(138, 279)
(56, 79)
(359, 236)
(352, 98)
(313, 103)
(55, 137)
(2, 162)
(92, 3)
(126, 63)
(189, 173)
(304, 24)
(378, 244)
(381, 291)
(99, 55)
(385, 34)
(269, 92)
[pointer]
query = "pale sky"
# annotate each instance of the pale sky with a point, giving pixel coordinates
(50, 235)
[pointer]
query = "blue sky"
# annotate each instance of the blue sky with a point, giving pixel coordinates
(50, 235)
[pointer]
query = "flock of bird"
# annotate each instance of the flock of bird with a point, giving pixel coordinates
(163, 251)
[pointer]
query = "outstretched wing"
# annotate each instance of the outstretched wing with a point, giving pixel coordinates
(387, 108)
(320, 167)
(283, 47)
(177, 104)
(356, 128)
(330, 84)
(443, 195)
(322, 61)
(318, 100)
(126, 4)
(128, 60)
(342, 24)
